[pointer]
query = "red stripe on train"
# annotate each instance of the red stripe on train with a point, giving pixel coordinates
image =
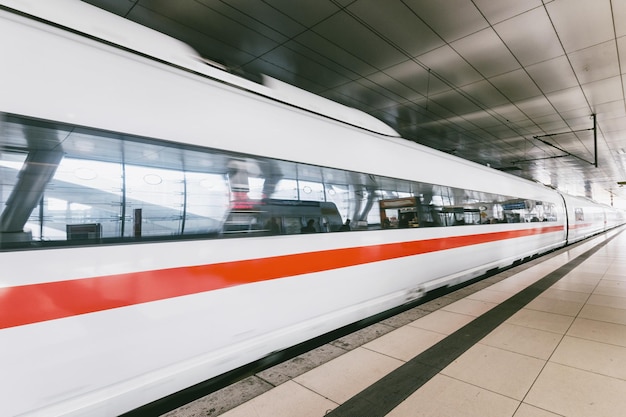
(579, 226)
(34, 303)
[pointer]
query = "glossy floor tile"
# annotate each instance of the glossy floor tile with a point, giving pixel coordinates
(600, 331)
(572, 392)
(288, 399)
(497, 370)
(469, 307)
(535, 343)
(346, 375)
(589, 355)
(405, 342)
(541, 320)
(443, 396)
(442, 321)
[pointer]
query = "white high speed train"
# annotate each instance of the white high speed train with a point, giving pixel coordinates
(164, 221)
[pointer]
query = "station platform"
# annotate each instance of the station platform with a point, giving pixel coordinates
(546, 338)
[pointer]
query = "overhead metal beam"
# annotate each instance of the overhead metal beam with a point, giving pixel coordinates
(595, 143)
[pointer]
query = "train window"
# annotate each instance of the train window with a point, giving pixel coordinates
(524, 211)
(138, 189)
(206, 195)
(159, 194)
(286, 189)
(456, 207)
(579, 215)
(311, 190)
(240, 221)
(10, 165)
(292, 225)
(75, 195)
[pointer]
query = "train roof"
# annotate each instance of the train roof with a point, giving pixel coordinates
(95, 23)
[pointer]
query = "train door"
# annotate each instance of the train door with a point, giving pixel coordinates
(566, 216)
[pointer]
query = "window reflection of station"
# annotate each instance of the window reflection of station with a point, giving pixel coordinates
(88, 184)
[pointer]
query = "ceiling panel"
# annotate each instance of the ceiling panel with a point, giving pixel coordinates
(121, 8)
(536, 108)
(250, 15)
(449, 66)
(334, 56)
(512, 113)
(569, 99)
(583, 122)
(485, 94)
(578, 119)
(483, 121)
(417, 77)
(485, 51)
(621, 52)
(530, 37)
(499, 130)
(553, 75)
(436, 112)
(307, 14)
(370, 92)
(596, 62)
(450, 26)
(582, 23)
(329, 73)
(516, 85)
(619, 17)
(603, 91)
(608, 111)
(497, 11)
(614, 125)
(390, 86)
(408, 33)
(455, 102)
(550, 118)
(357, 40)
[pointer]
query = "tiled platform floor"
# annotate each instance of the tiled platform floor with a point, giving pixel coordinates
(562, 354)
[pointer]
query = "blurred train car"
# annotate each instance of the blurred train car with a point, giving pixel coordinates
(154, 209)
(585, 218)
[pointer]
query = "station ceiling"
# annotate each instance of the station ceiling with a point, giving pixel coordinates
(529, 87)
